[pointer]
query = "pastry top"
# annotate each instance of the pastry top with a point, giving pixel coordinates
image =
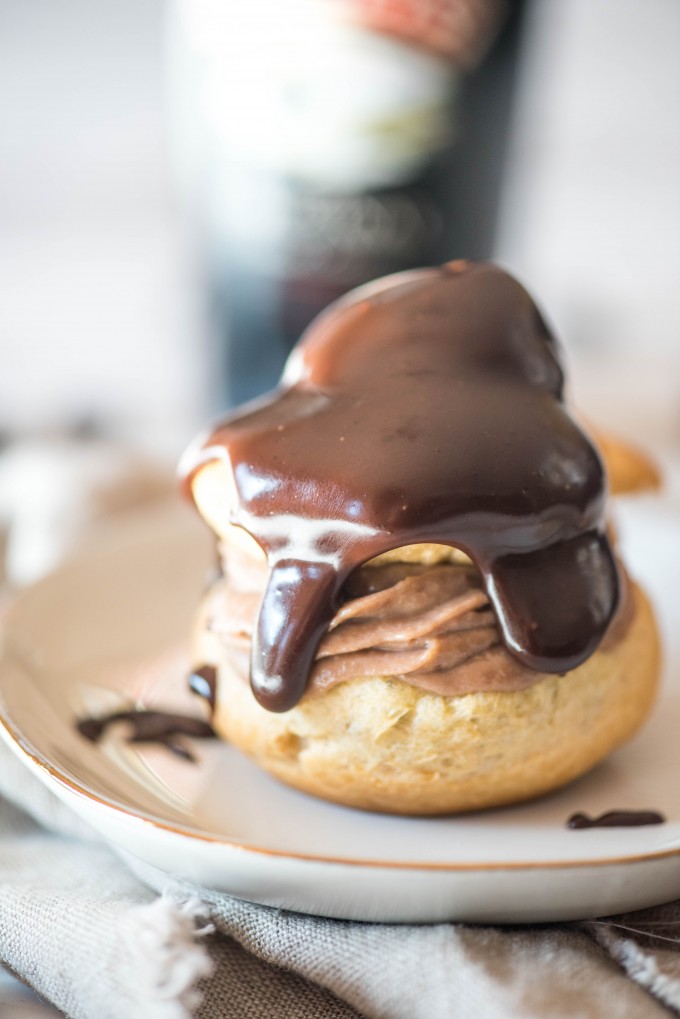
(629, 469)
(424, 408)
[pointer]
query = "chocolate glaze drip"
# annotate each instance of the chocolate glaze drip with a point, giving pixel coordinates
(426, 407)
(150, 727)
(616, 819)
(203, 682)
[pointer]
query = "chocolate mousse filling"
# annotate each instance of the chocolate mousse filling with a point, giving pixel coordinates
(432, 627)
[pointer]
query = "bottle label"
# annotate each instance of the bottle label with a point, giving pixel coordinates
(459, 29)
(302, 91)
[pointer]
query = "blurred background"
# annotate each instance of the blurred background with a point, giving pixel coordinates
(184, 183)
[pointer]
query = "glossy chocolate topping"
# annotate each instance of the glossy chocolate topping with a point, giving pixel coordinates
(426, 407)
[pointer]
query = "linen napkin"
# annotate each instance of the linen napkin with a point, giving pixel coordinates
(108, 937)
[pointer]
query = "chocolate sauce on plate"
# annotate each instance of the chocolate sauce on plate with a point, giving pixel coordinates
(616, 819)
(150, 727)
(426, 407)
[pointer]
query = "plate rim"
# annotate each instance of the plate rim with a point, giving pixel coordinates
(18, 740)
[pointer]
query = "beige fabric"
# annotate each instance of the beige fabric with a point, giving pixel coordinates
(88, 931)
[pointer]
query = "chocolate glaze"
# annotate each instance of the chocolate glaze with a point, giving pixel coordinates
(616, 819)
(149, 727)
(203, 682)
(426, 407)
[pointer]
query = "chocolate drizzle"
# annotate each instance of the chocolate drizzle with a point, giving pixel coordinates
(424, 408)
(149, 727)
(616, 819)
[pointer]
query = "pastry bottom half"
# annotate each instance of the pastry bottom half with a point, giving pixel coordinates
(380, 744)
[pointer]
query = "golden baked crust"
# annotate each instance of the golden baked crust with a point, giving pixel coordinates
(629, 469)
(380, 744)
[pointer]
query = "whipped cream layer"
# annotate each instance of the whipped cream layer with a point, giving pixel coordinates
(430, 626)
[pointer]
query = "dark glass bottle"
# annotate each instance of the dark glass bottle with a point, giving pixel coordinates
(319, 149)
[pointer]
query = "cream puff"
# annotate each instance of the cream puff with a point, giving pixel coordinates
(421, 609)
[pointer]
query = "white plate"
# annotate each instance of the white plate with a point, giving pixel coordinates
(81, 642)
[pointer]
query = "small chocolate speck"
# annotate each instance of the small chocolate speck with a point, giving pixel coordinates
(91, 728)
(203, 682)
(616, 819)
